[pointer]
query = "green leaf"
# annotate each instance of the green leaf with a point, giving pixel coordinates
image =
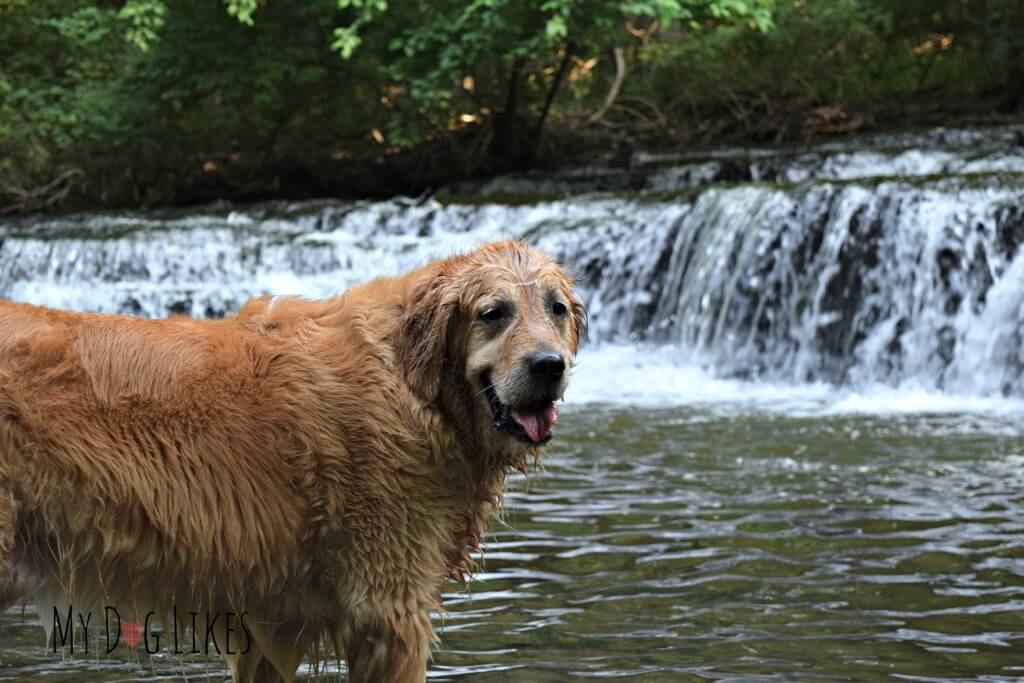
(555, 29)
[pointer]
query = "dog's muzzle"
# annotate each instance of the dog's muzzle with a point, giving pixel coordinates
(528, 421)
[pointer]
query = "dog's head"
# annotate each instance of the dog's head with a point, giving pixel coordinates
(494, 333)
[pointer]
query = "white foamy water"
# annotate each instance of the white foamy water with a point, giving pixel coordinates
(661, 377)
(889, 296)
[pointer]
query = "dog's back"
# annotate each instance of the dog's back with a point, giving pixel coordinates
(180, 441)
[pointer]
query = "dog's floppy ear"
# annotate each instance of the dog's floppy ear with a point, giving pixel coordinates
(580, 322)
(424, 335)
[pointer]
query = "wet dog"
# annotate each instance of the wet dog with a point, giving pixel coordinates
(323, 467)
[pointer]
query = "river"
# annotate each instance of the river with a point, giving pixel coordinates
(793, 448)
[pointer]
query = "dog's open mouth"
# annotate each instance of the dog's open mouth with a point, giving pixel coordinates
(530, 424)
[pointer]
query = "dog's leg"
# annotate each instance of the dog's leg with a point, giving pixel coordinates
(253, 667)
(15, 580)
(397, 653)
(283, 647)
(265, 654)
(248, 662)
(269, 654)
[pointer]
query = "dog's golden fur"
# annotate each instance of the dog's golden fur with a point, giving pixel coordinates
(324, 466)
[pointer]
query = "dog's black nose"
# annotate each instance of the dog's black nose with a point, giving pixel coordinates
(546, 365)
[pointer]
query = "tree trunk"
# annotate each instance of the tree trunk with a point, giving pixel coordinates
(1013, 98)
(559, 77)
(510, 147)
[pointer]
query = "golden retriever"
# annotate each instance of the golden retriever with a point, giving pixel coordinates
(319, 469)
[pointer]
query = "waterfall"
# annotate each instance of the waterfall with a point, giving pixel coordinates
(894, 261)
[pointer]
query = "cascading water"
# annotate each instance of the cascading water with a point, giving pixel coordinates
(843, 283)
(898, 262)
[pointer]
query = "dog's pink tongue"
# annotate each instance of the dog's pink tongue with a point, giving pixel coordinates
(537, 422)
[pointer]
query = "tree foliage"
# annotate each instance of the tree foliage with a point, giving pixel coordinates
(126, 98)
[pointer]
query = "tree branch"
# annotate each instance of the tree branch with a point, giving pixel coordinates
(559, 77)
(613, 93)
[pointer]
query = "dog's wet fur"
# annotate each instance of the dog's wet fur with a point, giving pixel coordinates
(326, 466)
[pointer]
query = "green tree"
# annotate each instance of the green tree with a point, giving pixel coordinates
(148, 101)
(446, 62)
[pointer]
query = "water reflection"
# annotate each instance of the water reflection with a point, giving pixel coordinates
(697, 544)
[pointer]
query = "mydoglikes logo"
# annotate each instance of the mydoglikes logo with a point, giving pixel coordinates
(188, 633)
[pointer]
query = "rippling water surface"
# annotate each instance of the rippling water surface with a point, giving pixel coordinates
(724, 542)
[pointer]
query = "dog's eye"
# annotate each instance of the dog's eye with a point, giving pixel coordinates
(493, 314)
(559, 309)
